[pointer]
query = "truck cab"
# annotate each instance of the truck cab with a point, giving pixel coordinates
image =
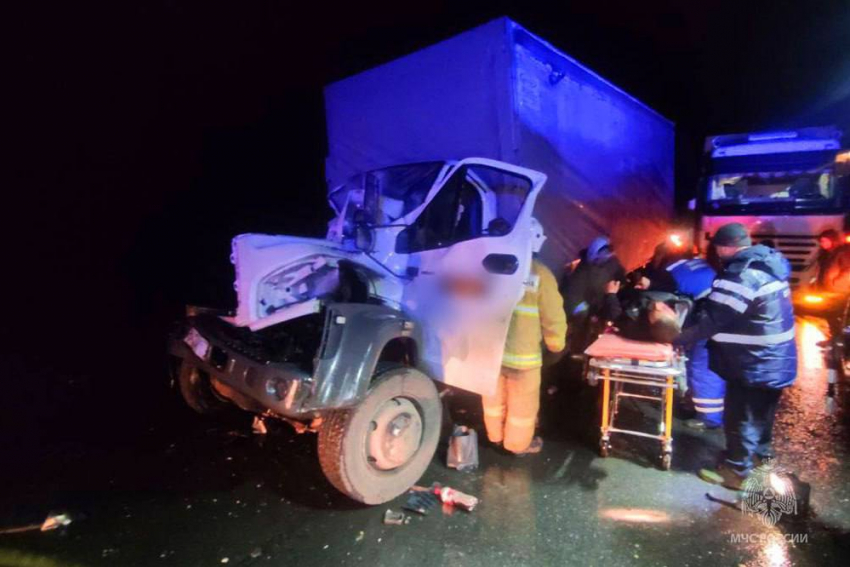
(786, 187)
(415, 282)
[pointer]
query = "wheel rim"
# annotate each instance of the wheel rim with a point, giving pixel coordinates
(395, 434)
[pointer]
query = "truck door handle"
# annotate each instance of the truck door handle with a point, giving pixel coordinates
(505, 264)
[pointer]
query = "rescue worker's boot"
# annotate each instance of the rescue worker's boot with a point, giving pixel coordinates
(701, 425)
(723, 475)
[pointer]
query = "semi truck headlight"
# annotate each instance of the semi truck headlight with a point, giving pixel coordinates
(813, 299)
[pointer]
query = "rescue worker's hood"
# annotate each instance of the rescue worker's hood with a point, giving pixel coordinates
(761, 258)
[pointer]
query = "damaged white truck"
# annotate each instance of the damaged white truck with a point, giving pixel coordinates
(416, 281)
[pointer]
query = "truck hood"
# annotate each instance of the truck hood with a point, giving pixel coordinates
(283, 277)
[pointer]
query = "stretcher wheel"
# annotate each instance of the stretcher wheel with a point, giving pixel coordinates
(604, 448)
(666, 461)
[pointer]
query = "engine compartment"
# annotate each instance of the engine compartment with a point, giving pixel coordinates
(313, 277)
(295, 342)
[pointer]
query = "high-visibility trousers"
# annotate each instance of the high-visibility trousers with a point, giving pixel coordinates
(510, 415)
(707, 388)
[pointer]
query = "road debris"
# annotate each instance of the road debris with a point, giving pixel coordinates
(256, 552)
(53, 521)
(421, 502)
(259, 426)
(463, 449)
(394, 518)
(457, 498)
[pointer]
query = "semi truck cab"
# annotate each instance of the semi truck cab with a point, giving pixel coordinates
(787, 187)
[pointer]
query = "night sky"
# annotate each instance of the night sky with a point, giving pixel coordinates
(145, 135)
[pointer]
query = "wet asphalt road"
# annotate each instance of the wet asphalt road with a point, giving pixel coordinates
(188, 491)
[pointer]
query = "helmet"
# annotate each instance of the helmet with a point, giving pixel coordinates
(599, 250)
(538, 237)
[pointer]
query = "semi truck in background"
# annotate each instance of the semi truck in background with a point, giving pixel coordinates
(787, 187)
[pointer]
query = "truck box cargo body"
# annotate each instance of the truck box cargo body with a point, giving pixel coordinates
(500, 92)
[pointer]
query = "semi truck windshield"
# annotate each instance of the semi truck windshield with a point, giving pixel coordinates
(766, 187)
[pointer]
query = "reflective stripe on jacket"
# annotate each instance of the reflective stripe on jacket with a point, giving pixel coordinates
(537, 318)
(750, 320)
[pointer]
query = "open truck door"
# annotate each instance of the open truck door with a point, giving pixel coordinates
(470, 251)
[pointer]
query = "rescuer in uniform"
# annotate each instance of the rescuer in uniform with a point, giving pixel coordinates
(510, 415)
(677, 271)
(584, 291)
(749, 320)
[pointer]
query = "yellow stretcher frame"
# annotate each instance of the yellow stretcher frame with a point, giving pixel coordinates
(615, 374)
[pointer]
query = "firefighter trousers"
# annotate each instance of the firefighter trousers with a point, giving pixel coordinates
(510, 415)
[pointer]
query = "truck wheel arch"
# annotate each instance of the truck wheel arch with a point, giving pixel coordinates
(398, 351)
(359, 338)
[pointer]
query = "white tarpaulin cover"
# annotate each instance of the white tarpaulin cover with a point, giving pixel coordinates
(499, 92)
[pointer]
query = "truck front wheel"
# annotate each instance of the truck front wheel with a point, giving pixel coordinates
(379, 449)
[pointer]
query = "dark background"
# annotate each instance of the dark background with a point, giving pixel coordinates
(145, 135)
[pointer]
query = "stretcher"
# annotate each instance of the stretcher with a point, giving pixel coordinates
(638, 370)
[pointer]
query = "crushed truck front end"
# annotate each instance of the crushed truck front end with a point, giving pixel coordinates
(296, 369)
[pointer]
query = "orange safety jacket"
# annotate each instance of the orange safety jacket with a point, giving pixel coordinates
(537, 318)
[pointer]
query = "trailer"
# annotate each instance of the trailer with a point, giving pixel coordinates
(500, 92)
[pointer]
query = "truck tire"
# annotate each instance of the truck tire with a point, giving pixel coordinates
(197, 391)
(377, 450)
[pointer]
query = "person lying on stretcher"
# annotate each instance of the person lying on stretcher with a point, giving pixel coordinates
(643, 315)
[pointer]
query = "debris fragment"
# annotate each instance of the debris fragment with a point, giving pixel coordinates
(360, 536)
(393, 518)
(256, 552)
(421, 502)
(463, 449)
(457, 498)
(55, 520)
(225, 559)
(259, 425)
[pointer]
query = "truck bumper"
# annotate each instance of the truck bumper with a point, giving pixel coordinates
(279, 387)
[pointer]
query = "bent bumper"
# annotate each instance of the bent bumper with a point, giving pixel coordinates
(280, 387)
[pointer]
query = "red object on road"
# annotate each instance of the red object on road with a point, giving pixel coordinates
(457, 498)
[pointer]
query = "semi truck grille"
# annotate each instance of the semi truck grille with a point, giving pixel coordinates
(800, 251)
